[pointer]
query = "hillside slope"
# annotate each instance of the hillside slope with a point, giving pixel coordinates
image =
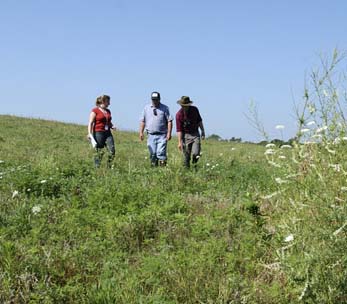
(229, 232)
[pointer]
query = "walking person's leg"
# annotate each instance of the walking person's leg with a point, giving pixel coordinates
(187, 150)
(110, 148)
(100, 139)
(196, 148)
(161, 149)
(152, 147)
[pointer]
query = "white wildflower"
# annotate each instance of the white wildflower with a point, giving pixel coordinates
(311, 108)
(1, 161)
(233, 149)
(279, 127)
(36, 209)
(317, 136)
(344, 189)
(292, 175)
(270, 146)
(286, 147)
(282, 157)
(280, 181)
(320, 130)
(198, 156)
(310, 123)
(43, 181)
(271, 195)
(305, 130)
(337, 140)
(208, 164)
(289, 238)
(336, 167)
(15, 193)
(309, 143)
(274, 164)
(269, 151)
(28, 189)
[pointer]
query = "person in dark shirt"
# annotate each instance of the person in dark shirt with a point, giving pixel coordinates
(188, 123)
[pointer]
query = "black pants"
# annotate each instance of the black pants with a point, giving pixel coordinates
(104, 139)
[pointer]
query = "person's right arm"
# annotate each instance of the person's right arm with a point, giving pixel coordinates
(179, 131)
(180, 141)
(142, 128)
(91, 123)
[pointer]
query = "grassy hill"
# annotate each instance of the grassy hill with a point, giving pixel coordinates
(244, 228)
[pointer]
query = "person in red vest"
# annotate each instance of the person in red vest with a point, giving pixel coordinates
(188, 123)
(99, 130)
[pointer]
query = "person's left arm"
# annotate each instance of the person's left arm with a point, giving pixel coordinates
(169, 124)
(169, 130)
(110, 124)
(201, 126)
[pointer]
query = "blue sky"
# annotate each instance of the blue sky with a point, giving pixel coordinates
(58, 56)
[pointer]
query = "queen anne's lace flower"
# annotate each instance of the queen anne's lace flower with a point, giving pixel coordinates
(305, 130)
(36, 209)
(321, 129)
(269, 152)
(289, 238)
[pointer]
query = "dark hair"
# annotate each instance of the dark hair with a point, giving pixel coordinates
(101, 99)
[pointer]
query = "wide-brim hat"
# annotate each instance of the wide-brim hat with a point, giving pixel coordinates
(185, 101)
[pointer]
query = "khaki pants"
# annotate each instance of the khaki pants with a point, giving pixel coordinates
(191, 148)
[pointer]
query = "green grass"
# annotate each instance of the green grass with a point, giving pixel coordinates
(135, 234)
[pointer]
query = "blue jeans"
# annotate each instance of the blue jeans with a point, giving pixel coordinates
(157, 144)
(104, 139)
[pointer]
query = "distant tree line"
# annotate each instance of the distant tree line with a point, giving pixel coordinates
(276, 141)
(217, 137)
